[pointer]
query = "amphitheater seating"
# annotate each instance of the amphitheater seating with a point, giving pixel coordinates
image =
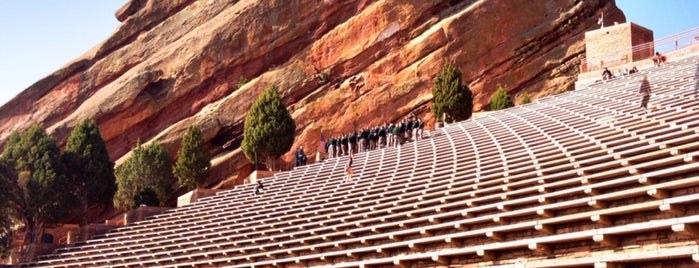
(584, 178)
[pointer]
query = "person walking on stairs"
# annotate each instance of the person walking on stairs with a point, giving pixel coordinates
(259, 187)
(644, 91)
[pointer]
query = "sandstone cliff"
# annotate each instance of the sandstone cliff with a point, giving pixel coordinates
(340, 64)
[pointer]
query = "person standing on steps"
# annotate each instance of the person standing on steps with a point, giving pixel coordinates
(348, 168)
(644, 91)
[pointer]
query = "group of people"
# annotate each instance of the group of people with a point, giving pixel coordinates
(366, 139)
(607, 74)
(658, 59)
(300, 157)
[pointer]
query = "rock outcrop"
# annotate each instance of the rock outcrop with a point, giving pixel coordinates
(339, 64)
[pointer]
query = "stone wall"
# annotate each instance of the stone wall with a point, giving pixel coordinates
(613, 45)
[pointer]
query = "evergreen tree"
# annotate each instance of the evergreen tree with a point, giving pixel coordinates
(451, 97)
(11, 145)
(88, 167)
(500, 100)
(525, 99)
(10, 204)
(147, 167)
(147, 197)
(193, 160)
(45, 194)
(269, 129)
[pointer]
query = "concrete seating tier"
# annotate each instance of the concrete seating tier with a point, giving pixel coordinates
(584, 178)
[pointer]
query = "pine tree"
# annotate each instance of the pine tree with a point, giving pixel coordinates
(269, 129)
(10, 196)
(44, 193)
(451, 97)
(87, 160)
(193, 160)
(89, 169)
(500, 100)
(147, 167)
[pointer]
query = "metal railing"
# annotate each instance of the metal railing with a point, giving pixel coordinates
(643, 51)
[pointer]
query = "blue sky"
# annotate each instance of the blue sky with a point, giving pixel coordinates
(38, 37)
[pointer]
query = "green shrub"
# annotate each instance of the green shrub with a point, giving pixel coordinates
(525, 99)
(193, 160)
(451, 97)
(269, 129)
(500, 100)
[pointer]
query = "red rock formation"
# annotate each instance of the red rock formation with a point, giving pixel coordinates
(339, 64)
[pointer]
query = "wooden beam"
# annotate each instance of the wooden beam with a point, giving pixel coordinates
(592, 191)
(598, 204)
(673, 209)
(602, 219)
(394, 237)
(495, 235)
(541, 248)
(646, 181)
(415, 247)
(488, 255)
(401, 263)
(461, 227)
(607, 265)
(501, 220)
(545, 228)
(691, 230)
(607, 240)
(658, 193)
(504, 208)
(695, 257)
(440, 259)
(456, 242)
(545, 213)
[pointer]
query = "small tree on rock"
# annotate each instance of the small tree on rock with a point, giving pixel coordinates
(451, 97)
(500, 100)
(147, 167)
(193, 160)
(269, 129)
(525, 99)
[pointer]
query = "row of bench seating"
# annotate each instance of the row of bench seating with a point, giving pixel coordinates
(578, 167)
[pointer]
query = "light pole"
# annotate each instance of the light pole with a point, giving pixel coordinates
(253, 129)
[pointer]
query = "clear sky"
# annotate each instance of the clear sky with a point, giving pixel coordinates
(37, 37)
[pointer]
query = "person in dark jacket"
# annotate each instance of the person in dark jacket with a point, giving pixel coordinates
(258, 187)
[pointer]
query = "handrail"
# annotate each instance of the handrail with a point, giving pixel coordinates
(619, 57)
